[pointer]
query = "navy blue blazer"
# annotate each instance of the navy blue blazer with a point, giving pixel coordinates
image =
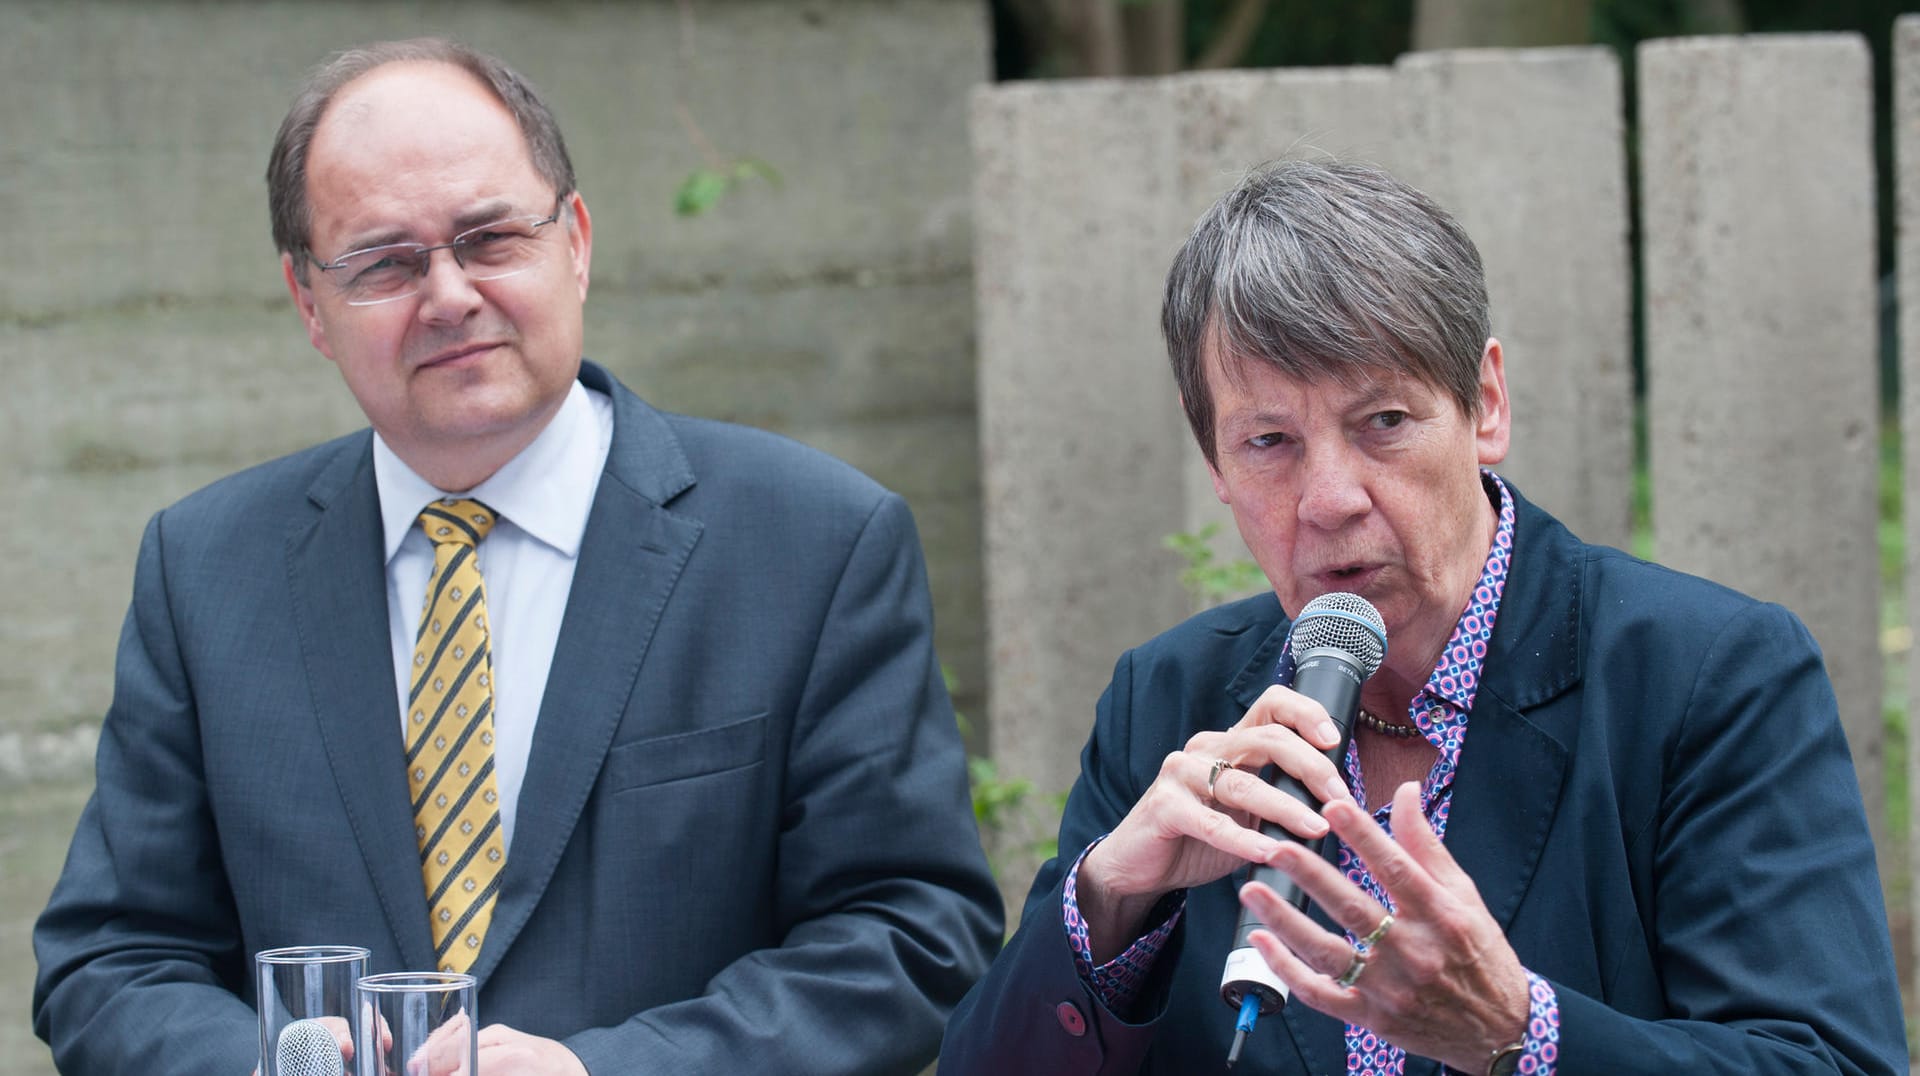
(744, 843)
(1654, 799)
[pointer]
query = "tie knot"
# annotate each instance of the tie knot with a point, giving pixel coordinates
(455, 520)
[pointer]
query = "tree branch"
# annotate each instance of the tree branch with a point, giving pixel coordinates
(1156, 36)
(1097, 42)
(1230, 45)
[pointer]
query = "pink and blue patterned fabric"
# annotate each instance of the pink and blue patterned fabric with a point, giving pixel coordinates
(1117, 982)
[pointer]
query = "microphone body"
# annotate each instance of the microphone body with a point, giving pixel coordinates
(1338, 641)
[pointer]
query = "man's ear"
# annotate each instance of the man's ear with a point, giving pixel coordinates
(579, 239)
(303, 300)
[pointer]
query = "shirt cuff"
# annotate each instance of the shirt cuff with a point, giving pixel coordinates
(1117, 982)
(1540, 1046)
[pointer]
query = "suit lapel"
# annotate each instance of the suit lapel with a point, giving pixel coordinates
(337, 570)
(631, 556)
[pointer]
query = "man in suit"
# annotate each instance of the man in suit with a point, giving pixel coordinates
(1596, 816)
(634, 717)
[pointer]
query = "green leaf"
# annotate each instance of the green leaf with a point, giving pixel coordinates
(1207, 582)
(700, 191)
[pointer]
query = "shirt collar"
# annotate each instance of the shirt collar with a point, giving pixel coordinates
(546, 491)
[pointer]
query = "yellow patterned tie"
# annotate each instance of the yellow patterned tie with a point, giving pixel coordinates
(456, 809)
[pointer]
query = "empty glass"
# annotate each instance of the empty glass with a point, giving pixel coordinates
(417, 1024)
(306, 1005)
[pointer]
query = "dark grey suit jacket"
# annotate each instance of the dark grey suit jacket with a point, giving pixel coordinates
(744, 842)
(1654, 799)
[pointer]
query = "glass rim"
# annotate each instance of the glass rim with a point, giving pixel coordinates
(397, 981)
(312, 954)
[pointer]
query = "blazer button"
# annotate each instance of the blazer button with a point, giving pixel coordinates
(1070, 1018)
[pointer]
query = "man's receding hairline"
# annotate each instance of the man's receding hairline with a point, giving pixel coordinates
(350, 96)
(349, 103)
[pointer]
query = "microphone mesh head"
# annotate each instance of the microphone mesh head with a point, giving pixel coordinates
(1343, 622)
(307, 1048)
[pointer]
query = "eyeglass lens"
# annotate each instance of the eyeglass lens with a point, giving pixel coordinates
(489, 252)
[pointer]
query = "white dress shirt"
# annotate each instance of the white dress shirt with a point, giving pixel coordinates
(542, 498)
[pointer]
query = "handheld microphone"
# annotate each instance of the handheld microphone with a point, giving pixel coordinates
(1338, 641)
(307, 1048)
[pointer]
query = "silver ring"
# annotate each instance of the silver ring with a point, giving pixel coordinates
(1352, 974)
(1220, 766)
(1367, 943)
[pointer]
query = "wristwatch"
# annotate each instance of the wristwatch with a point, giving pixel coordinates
(1506, 1060)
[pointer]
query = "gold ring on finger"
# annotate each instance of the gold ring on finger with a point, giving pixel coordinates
(1379, 933)
(1220, 765)
(1352, 974)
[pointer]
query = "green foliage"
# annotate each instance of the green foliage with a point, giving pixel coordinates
(995, 797)
(1893, 532)
(1896, 636)
(1010, 808)
(704, 187)
(1205, 578)
(1642, 544)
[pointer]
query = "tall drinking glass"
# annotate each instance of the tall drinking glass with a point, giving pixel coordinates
(306, 1003)
(417, 1024)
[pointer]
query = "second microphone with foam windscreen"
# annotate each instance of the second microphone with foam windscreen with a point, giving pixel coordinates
(308, 1048)
(1338, 641)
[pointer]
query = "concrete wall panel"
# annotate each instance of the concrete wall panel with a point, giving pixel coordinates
(1080, 437)
(1761, 333)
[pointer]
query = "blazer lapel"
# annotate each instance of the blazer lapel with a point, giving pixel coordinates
(631, 557)
(1515, 758)
(1504, 798)
(337, 570)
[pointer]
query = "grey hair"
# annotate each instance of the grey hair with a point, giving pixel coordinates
(1326, 269)
(287, 166)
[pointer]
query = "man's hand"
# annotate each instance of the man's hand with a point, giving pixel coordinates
(1442, 982)
(1182, 833)
(513, 1053)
